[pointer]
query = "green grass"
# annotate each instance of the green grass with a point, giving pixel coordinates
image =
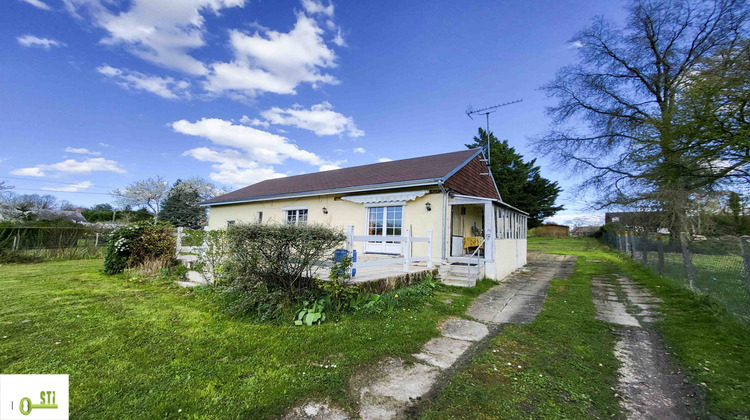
(139, 349)
(565, 345)
(559, 366)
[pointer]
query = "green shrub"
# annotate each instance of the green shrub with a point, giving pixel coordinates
(143, 245)
(270, 268)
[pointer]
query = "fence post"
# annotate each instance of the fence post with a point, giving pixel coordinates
(349, 239)
(16, 240)
(627, 243)
(632, 244)
(687, 259)
(620, 247)
(179, 241)
(745, 250)
(644, 247)
(429, 249)
(660, 249)
(407, 250)
(96, 240)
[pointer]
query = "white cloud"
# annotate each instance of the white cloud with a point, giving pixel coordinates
(27, 172)
(34, 41)
(575, 44)
(276, 62)
(381, 160)
(72, 166)
(261, 146)
(315, 7)
(320, 119)
(359, 150)
(165, 87)
(232, 167)
(81, 151)
(583, 219)
(70, 188)
(328, 167)
(254, 121)
(339, 39)
(159, 31)
(38, 4)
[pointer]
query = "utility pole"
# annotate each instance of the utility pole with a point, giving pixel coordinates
(486, 112)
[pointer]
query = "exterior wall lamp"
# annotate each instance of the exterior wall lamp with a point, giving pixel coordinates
(325, 210)
(428, 206)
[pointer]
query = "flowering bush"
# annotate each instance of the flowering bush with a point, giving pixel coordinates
(140, 245)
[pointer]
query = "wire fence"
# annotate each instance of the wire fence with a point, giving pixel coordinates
(718, 267)
(27, 243)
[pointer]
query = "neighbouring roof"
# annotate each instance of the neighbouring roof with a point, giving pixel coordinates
(397, 173)
(70, 215)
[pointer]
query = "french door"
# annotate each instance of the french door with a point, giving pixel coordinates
(384, 221)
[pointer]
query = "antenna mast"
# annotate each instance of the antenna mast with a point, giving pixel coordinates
(486, 112)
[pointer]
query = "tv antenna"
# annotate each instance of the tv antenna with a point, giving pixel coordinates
(486, 112)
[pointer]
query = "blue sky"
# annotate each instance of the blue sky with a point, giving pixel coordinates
(96, 94)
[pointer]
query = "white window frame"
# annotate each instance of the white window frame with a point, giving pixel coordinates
(296, 211)
(258, 217)
(230, 223)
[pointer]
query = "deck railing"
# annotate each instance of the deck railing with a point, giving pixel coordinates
(405, 240)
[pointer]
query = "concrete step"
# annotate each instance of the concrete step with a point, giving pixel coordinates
(460, 281)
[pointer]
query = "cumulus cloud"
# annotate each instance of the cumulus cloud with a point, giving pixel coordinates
(262, 146)
(38, 4)
(275, 62)
(384, 159)
(70, 188)
(233, 167)
(165, 87)
(359, 150)
(159, 31)
(315, 7)
(81, 151)
(328, 167)
(320, 119)
(35, 41)
(72, 166)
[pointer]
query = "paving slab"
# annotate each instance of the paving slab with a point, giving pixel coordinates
(463, 329)
(442, 352)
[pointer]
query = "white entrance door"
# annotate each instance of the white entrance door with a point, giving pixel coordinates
(384, 221)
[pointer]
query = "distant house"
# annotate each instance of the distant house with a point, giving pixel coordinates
(649, 220)
(450, 195)
(69, 215)
(552, 230)
(584, 231)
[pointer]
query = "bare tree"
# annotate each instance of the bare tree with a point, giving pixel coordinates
(620, 116)
(147, 193)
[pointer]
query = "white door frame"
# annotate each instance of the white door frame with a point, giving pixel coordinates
(383, 247)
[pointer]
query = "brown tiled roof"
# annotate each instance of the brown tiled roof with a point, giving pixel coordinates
(469, 181)
(427, 168)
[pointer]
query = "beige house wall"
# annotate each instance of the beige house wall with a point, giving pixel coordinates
(341, 213)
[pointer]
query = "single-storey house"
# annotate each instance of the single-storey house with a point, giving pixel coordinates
(449, 198)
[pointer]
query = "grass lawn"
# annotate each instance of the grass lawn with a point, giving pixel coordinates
(561, 351)
(140, 349)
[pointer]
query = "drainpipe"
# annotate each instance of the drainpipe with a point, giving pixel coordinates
(442, 231)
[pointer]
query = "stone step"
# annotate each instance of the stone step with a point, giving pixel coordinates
(459, 281)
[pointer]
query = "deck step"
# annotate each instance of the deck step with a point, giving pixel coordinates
(460, 281)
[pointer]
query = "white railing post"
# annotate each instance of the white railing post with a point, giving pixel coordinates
(429, 249)
(179, 241)
(350, 238)
(407, 250)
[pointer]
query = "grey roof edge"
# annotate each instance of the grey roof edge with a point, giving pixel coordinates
(358, 188)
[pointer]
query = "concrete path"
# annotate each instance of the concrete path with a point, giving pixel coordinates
(650, 385)
(395, 387)
(518, 300)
